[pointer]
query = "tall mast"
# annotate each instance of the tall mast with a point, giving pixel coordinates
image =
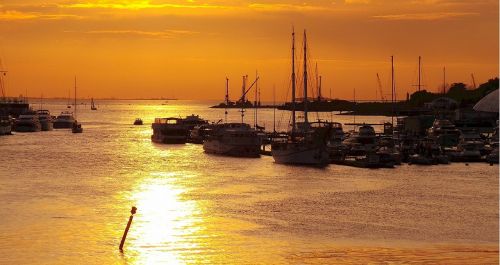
(317, 82)
(444, 80)
(227, 99)
(419, 70)
(293, 81)
(255, 102)
(274, 108)
(306, 121)
(243, 101)
(319, 92)
(392, 88)
(2, 84)
(75, 96)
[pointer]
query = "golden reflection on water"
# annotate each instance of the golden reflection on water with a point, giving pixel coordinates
(165, 226)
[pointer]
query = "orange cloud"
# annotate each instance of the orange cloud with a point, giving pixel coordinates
(426, 16)
(136, 5)
(164, 34)
(11, 15)
(286, 7)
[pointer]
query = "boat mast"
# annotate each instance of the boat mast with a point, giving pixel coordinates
(419, 70)
(319, 93)
(255, 102)
(75, 96)
(354, 116)
(317, 83)
(227, 100)
(293, 81)
(392, 89)
(306, 121)
(2, 84)
(274, 108)
(444, 80)
(243, 98)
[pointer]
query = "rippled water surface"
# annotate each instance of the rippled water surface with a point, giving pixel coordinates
(66, 200)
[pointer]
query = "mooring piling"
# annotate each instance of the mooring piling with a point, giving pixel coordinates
(132, 212)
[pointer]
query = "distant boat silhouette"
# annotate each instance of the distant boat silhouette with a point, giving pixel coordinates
(92, 105)
(77, 127)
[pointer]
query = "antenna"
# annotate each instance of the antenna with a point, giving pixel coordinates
(473, 81)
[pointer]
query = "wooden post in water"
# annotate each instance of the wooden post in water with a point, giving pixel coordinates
(132, 212)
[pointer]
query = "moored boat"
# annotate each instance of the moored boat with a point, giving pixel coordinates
(27, 123)
(306, 145)
(5, 125)
(138, 121)
(169, 131)
(64, 120)
(45, 120)
(444, 132)
(232, 139)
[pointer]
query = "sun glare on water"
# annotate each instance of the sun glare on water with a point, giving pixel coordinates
(165, 226)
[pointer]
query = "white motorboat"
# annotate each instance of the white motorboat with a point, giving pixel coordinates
(232, 139)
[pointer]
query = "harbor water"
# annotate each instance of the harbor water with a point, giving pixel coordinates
(66, 199)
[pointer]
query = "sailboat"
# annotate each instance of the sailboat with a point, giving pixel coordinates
(77, 127)
(306, 145)
(92, 104)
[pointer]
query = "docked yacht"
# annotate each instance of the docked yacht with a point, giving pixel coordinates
(65, 120)
(306, 145)
(362, 141)
(27, 123)
(200, 133)
(45, 120)
(169, 131)
(174, 130)
(232, 139)
(192, 121)
(471, 148)
(444, 132)
(5, 125)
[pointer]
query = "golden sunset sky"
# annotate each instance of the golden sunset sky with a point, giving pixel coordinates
(185, 49)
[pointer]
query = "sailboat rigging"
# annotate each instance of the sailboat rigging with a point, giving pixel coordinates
(306, 144)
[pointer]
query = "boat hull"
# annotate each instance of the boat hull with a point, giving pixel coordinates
(63, 124)
(47, 125)
(300, 155)
(163, 139)
(5, 129)
(28, 127)
(213, 146)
